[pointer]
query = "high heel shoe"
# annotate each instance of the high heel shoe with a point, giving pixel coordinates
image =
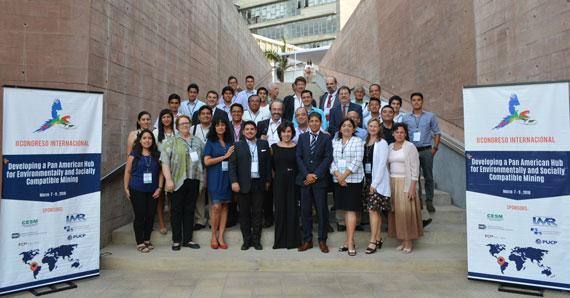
(223, 246)
(379, 243)
(343, 248)
(371, 250)
(215, 245)
(352, 252)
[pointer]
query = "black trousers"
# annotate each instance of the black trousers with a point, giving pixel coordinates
(268, 206)
(183, 207)
(144, 206)
(251, 212)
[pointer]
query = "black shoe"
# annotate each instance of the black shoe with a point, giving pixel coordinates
(426, 222)
(198, 227)
(379, 243)
(267, 224)
(230, 224)
(192, 245)
(245, 246)
(359, 228)
(340, 228)
(329, 228)
(429, 205)
(176, 246)
(257, 246)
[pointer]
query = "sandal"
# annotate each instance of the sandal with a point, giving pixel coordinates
(400, 247)
(214, 245)
(407, 250)
(352, 253)
(379, 243)
(142, 248)
(163, 231)
(149, 245)
(370, 250)
(343, 248)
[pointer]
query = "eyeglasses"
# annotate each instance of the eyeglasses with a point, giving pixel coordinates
(184, 123)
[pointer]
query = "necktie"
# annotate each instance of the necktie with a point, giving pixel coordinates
(343, 111)
(313, 142)
(329, 101)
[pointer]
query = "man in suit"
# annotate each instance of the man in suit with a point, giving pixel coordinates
(237, 123)
(339, 112)
(293, 102)
(212, 102)
(267, 130)
(329, 99)
(250, 174)
(314, 156)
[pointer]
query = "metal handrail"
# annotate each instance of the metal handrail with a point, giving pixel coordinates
(113, 173)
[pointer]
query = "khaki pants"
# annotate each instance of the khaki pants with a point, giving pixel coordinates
(200, 213)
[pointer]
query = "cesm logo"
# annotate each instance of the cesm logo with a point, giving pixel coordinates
(495, 217)
(73, 218)
(548, 242)
(30, 222)
(78, 236)
(544, 221)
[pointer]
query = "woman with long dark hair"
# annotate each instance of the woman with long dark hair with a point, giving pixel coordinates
(143, 185)
(143, 122)
(164, 132)
(217, 151)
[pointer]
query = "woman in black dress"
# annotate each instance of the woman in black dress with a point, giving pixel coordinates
(285, 192)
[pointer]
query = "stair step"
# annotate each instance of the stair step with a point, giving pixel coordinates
(434, 233)
(428, 258)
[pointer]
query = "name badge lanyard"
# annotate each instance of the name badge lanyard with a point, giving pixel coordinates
(417, 134)
(251, 116)
(147, 176)
(368, 161)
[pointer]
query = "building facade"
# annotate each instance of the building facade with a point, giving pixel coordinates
(303, 23)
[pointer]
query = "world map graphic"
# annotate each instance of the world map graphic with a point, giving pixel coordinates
(520, 256)
(51, 258)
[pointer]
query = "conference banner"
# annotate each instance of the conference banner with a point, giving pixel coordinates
(50, 207)
(517, 149)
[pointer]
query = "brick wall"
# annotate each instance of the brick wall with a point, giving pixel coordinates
(136, 51)
(437, 47)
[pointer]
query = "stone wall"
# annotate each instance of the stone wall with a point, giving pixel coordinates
(137, 52)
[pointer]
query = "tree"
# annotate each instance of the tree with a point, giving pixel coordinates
(280, 61)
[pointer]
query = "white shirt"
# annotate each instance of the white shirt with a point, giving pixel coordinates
(243, 97)
(297, 101)
(189, 108)
(367, 118)
(333, 99)
(298, 133)
(201, 132)
(399, 118)
(272, 134)
(256, 117)
(351, 154)
(380, 174)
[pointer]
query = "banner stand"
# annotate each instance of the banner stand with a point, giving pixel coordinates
(67, 285)
(520, 289)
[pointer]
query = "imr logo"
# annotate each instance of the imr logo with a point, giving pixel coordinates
(544, 221)
(78, 217)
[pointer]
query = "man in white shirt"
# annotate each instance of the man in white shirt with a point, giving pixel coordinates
(226, 105)
(302, 118)
(233, 83)
(242, 96)
(193, 104)
(376, 91)
(267, 129)
(396, 103)
(254, 113)
(264, 100)
(374, 110)
(359, 94)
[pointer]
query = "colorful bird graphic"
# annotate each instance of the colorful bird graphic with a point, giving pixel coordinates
(514, 114)
(55, 118)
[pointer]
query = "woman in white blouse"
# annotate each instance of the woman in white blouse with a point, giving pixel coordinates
(376, 190)
(348, 173)
(405, 221)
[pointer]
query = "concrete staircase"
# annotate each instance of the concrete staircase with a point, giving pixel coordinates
(441, 249)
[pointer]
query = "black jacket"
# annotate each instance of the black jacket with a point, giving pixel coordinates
(240, 164)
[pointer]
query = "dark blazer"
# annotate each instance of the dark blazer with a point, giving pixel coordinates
(318, 163)
(240, 164)
(289, 107)
(262, 127)
(336, 116)
(241, 137)
(217, 113)
(323, 100)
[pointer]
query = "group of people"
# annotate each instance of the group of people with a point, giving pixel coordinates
(253, 157)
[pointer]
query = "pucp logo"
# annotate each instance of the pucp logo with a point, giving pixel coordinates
(514, 114)
(548, 242)
(495, 217)
(544, 221)
(30, 222)
(56, 118)
(73, 218)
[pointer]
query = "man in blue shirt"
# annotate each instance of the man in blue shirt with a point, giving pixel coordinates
(422, 128)
(307, 100)
(244, 95)
(193, 104)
